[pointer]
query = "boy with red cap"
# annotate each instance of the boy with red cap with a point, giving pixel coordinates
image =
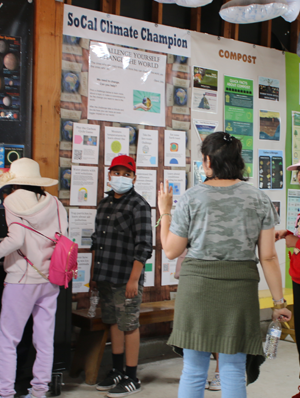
(122, 242)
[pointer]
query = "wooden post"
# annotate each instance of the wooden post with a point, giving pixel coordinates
(230, 30)
(196, 19)
(266, 33)
(157, 12)
(295, 29)
(111, 6)
(47, 87)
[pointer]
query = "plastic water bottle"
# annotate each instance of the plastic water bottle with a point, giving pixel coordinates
(94, 300)
(272, 339)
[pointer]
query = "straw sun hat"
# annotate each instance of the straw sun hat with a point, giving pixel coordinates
(295, 166)
(25, 171)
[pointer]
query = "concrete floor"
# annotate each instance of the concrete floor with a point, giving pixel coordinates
(279, 378)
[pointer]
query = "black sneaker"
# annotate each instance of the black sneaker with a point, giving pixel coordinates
(126, 386)
(111, 380)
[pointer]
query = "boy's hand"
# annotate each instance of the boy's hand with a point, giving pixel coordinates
(131, 288)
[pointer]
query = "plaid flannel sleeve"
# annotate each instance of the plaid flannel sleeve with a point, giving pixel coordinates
(142, 233)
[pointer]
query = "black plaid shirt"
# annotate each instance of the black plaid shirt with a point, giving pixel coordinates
(123, 233)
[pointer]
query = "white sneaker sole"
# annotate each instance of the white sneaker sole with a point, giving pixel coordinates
(100, 388)
(123, 394)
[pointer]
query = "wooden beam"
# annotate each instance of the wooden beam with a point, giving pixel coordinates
(229, 30)
(266, 33)
(196, 19)
(157, 12)
(295, 29)
(111, 6)
(68, 2)
(47, 86)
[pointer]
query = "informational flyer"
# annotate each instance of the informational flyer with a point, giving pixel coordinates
(81, 226)
(9, 153)
(147, 151)
(293, 208)
(85, 147)
(10, 79)
(145, 185)
(177, 180)
(270, 169)
(204, 128)
(82, 283)
(126, 84)
(268, 88)
(269, 125)
(107, 187)
(150, 271)
(239, 115)
(116, 143)
(205, 90)
(198, 172)
(175, 148)
(168, 268)
(153, 224)
(295, 144)
(84, 183)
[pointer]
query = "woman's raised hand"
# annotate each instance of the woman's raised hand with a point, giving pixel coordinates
(165, 198)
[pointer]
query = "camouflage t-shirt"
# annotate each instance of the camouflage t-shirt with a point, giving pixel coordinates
(223, 223)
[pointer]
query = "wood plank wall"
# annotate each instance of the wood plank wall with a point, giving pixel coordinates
(47, 88)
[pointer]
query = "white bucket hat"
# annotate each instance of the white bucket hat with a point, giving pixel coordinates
(295, 166)
(25, 171)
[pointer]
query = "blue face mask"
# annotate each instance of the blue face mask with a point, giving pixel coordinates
(121, 184)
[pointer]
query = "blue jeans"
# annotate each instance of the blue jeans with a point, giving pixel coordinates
(194, 374)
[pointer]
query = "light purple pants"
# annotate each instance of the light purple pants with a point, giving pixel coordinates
(19, 301)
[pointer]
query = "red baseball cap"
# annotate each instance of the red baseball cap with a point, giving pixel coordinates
(123, 160)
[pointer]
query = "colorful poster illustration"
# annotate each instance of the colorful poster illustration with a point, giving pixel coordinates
(82, 283)
(147, 151)
(205, 90)
(268, 88)
(10, 153)
(150, 271)
(10, 78)
(270, 170)
(168, 268)
(293, 208)
(177, 180)
(81, 226)
(175, 148)
(116, 143)
(295, 144)
(204, 127)
(84, 184)
(145, 185)
(239, 115)
(269, 125)
(85, 147)
(198, 172)
(126, 84)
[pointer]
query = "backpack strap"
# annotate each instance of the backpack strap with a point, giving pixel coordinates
(58, 214)
(29, 262)
(33, 230)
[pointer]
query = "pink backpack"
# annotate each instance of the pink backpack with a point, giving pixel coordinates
(63, 265)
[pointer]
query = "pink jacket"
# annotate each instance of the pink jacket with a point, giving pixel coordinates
(23, 206)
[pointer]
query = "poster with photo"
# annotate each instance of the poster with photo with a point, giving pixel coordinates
(268, 88)
(10, 78)
(269, 125)
(81, 226)
(177, 180)
(82, 283)
(205, 89)
(85, 147)
(198, 173)
(204, 128)
(84, 184)
(270, 170)
(9, 153)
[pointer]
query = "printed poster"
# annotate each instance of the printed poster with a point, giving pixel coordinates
(147, 151)
(153, 224)
(177, 180)
(268, 88)
(239, 115)
(9, 153)
(293, 208)
(168, 268)
(116, 143)
(295, 144)
(270, 170)
(84, 183)
(150, 271)
(145, 185)
(126, 84)
(204, 128)
(198, 173)
(269, 125)
(85, 147)
(205, 90)
(82, 226)
(175, 148)
(82, 283)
